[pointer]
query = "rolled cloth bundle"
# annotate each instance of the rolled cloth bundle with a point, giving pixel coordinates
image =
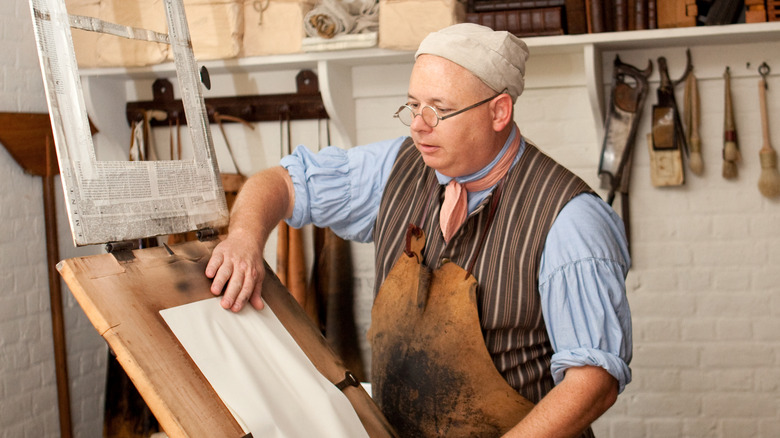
(331, 18)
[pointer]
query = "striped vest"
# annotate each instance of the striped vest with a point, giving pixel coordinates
(507, 266)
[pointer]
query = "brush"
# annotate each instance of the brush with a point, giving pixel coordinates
(694, 141)
(731, 153)
(769, 181)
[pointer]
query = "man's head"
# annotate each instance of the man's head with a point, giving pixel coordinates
(470, 76)
(496, 58)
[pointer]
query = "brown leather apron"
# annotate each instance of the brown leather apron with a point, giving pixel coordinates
(432, 374)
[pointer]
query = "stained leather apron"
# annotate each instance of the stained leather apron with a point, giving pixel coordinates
(432, 374)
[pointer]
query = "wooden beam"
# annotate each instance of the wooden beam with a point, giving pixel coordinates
(29, 140)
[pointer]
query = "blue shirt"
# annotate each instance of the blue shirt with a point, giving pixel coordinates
(583, 267)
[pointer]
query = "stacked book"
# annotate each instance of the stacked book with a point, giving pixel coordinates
(530, 17)
(559, 17)
(622, 15)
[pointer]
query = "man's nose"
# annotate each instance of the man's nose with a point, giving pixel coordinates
(418, 123)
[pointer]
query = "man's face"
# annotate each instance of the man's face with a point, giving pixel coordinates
(465, 143)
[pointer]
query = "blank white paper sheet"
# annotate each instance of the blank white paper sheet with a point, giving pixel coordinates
(260, 372)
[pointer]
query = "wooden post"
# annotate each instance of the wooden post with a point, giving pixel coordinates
(55, 291)
(29, 140)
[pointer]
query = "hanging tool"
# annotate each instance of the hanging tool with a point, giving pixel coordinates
(769, 181)
(624, 112)
(219, 118)
(669, 143)
(692, 120)
(319, 288)
(174, 146)
(290, 263)
(731, 153)
(332, 293)
(282, 234)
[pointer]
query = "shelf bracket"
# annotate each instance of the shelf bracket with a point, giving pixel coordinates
(305, 104)
(595, 85)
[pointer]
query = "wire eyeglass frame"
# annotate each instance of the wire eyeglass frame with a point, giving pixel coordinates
(403, 117)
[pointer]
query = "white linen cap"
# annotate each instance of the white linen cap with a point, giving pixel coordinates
(496, 57)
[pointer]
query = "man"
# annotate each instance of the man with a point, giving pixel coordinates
(501, 304)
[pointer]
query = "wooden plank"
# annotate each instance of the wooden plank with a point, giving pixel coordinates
(24, 135)
(122, 298)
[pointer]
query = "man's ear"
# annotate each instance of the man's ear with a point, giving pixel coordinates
(502, 111)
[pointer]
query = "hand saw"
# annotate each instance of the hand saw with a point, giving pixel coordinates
(627, 97)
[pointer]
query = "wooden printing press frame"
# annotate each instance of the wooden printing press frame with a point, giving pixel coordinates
(122, 294)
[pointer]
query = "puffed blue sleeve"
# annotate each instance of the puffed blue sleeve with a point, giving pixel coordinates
(582, 287)
(339, 188)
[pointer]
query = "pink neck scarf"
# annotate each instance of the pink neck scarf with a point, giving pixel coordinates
(454, 209)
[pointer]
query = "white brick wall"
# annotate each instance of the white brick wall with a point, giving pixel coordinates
(28, 391)
(703, 289)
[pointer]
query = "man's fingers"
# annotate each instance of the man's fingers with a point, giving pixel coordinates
(248, 288)
(235, 276)
(232, 292)
(221, 278)
(256, 299)
(214, 263)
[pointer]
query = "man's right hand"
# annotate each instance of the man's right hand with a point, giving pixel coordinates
(237, 269)
(236, 265)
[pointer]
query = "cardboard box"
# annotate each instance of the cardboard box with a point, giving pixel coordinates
(404, 23)
(84, 43)
(216, 29)
(102, 50)
(273, 27)
(117, 51)
(676, 13)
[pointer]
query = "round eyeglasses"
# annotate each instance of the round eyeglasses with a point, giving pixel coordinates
(429, 114)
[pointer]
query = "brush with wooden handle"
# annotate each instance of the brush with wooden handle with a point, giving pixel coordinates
(694, 141)
(769, 181)
(731, 153)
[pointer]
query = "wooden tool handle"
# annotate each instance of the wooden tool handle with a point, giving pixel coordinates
(282, 252)
(764, 117)
(695, 161)
(728, 115)
(695, 139)
(296, 268)
(730, 146)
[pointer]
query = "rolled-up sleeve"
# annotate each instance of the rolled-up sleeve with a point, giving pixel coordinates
(582, 287)
(339, 188)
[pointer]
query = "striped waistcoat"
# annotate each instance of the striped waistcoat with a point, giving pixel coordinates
(507, 266)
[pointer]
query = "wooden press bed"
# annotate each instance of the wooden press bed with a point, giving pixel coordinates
(122, 295)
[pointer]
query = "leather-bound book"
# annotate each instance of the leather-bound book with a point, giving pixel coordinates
(576, 17)
(522, 22)
(621, 15)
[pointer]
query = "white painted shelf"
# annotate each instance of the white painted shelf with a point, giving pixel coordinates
(684, 36)
(335, 68)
